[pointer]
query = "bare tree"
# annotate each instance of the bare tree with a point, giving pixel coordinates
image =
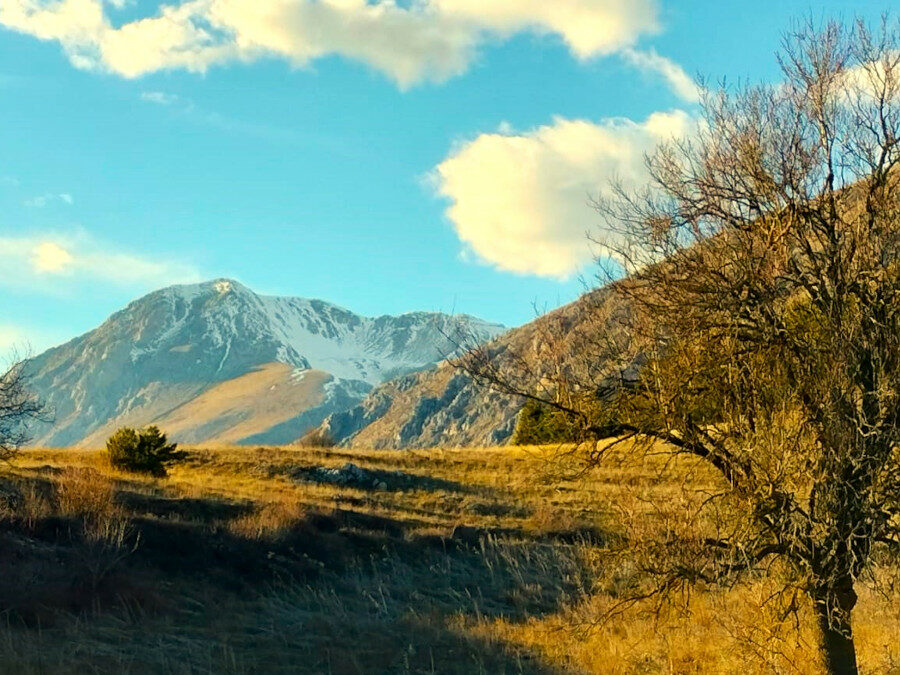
(18, 408)
(762, 329)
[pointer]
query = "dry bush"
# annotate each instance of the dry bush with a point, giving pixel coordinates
(107, 544)
(89, 496)
(317, 438)
(26, 505)
(19, 408)
(268, 520)
(85, 493)
(548, 519)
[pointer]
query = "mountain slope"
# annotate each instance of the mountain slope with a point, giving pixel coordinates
(443, 407)
(216, 361)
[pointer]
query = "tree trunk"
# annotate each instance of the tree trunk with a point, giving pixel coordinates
(838, 648)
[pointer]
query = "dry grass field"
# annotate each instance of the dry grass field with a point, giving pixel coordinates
(277, 560)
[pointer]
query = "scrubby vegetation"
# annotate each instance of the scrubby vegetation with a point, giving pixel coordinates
(144, 451)
(540, 424)
(317, 438)
(19, 407)
(470, 561)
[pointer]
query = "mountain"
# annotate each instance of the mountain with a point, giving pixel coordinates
(216, 362)
(443, 407)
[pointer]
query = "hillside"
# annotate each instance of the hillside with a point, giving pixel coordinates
(443, 407)
(275, 560)
(216, 362)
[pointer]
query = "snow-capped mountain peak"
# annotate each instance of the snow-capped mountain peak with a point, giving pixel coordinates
(165, 348)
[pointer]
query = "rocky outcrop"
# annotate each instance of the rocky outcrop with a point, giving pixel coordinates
(443, 407)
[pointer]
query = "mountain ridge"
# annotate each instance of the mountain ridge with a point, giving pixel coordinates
(443, 407)
(171, 346)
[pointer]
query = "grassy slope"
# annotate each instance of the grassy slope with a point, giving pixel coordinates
(469, 561)
(230, 411)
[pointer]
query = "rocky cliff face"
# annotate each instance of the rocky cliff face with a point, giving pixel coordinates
(443, 407)
(440, 407)
(217, 362)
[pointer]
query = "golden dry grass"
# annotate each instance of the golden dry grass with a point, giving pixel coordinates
(450, 561)
(230, 411)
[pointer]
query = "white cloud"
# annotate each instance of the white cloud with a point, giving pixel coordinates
(521, 202)
(160, 98)
(55, 261)
(45, 199)
(678, 80)
(589, 27)
(865, 83)
(48, 257)
(410, 41)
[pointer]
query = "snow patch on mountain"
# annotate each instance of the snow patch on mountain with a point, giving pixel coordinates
(171, 345)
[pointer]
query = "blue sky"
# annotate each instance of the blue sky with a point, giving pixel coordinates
(388, 157)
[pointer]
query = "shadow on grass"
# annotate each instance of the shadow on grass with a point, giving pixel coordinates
(352, 476)
(404, 646)
(344, 591)
(181, 508)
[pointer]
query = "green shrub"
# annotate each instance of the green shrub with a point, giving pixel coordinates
(541, 424)
(144, 451)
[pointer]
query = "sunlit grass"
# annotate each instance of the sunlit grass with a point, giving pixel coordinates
(466, 561)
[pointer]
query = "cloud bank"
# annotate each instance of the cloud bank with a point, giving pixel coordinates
(521, 201)
(55, 261)
(410, 41)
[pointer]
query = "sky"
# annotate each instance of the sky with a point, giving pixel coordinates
(384, 155)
